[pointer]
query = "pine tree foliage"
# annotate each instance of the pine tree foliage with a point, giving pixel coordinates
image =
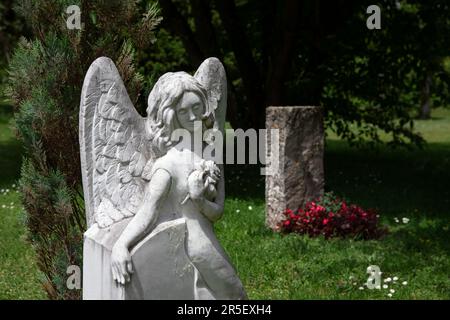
(46, 74)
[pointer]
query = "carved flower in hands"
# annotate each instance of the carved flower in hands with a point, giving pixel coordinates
(202, 182)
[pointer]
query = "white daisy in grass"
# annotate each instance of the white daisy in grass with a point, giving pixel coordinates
(405, 220)
(361, 288)
(395, 278)
(388, 280)
(396, 220)
(250, 208)
(404, 283)
(390, 295)
(392, 291)
(237, 210)
(385, 286)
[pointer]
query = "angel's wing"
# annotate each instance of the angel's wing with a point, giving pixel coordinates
(211, 74)
(115, 153)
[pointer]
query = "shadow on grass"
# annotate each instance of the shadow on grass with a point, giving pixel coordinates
(396, 182)
(244, 182)
(10, 149)
(10, 161)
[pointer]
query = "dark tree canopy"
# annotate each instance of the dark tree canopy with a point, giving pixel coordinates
(316, 52)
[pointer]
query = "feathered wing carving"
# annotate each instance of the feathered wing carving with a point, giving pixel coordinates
(115, 153)
(211, 74)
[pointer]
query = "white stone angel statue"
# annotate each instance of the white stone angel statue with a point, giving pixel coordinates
(151, 202)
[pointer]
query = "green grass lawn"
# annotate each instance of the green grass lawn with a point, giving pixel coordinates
(399, 183)
(19, 276)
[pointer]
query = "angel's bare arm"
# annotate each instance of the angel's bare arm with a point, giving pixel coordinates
(213, 210)
(155, 193)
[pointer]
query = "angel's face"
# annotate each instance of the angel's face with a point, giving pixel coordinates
(189, 110)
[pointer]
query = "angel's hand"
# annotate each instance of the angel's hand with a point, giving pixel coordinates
(122, 267)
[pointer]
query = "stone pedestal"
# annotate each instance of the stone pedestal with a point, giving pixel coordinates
(300, 177)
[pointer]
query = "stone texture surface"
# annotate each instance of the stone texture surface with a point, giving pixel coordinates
(300, 177)
(162, 268)
(169, 250)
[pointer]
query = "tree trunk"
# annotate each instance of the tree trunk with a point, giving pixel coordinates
(281, 60)
(245, 61)
(176, 23)
(204, 30)
(425, 103)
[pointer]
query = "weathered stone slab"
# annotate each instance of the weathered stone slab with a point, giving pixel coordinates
(162, 267)
(300, 177)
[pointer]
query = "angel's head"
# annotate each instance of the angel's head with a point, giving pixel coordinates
(176, 101)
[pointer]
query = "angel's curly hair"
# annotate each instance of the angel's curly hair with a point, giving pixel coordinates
(162, 103)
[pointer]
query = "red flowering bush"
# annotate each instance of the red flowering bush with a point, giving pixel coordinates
(331, 216)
